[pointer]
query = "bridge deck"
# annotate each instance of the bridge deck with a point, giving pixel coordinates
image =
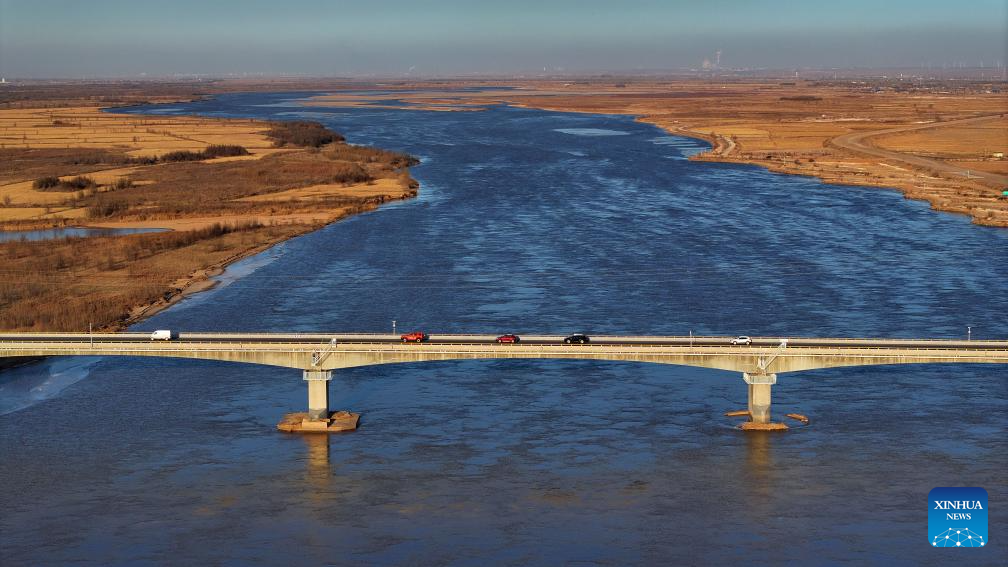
(318, 354)
(315, 351)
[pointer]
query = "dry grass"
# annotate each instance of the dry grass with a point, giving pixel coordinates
(71, 141)
(65, 285)
(219, 208)
(90, 127)
(955, 142)
(180, 190)
(991, 165)
(215, 188)
(386, 187)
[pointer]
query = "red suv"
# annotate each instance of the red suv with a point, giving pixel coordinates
(509, 338)
(414, 337)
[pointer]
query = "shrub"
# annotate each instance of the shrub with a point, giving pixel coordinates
(46, 182)
(145, 160)
(224, 150)
(346, 152)
(78, 183)
(302, 133)
(102, 209)
(182, 155)
(216, 150)
(350, 173)
(54, 183)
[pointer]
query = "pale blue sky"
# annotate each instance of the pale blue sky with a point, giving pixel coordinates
(65, 38)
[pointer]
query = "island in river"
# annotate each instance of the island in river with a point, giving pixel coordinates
(222, 189)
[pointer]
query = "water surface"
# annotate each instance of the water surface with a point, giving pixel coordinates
(524, 227)
(70, 232)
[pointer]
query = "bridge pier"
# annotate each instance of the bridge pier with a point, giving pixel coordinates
(759, 401)
(318, 418)
(318, 393)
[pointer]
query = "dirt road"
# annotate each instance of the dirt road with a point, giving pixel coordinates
(856, 142)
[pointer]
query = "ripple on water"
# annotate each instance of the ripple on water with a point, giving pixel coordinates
(28, 385)
(591, 132)
(520, 228)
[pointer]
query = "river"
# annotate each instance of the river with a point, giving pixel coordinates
(533, 222)
(69, 232)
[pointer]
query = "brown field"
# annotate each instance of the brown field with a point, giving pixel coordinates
(84, 140)
(999, 166)
(800, 127)
(951, 142)
(218, 209)
(90, 127)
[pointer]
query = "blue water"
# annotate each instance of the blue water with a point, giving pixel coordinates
(71, 232)
(528, 222)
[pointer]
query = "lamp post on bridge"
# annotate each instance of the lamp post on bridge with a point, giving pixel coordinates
(969, 333)
(393, 326)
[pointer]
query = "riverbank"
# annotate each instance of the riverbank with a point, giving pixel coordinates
(933, 142)
(222, 189)
(805, 129)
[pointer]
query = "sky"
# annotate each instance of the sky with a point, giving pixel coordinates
(118, 38)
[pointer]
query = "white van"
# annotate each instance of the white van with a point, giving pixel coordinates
(161, 335)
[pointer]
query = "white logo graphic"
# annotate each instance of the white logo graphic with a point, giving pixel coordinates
(962, 537)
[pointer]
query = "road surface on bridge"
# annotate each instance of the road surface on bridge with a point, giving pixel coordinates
(317, 339)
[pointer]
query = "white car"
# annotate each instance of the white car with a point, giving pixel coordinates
(742, 340)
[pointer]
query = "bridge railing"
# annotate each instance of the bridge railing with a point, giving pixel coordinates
(363, 337)
(178, 345)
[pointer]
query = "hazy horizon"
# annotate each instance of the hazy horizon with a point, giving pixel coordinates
(114, 38)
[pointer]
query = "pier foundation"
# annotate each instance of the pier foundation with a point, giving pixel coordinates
(318, 418)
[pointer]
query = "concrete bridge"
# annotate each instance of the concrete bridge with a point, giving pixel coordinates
(317, 355)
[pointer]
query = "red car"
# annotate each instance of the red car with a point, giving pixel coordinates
(414, 337)
(509, 338)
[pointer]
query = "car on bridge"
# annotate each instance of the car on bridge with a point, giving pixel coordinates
(415, 337)
(577, 338)
(161, 335)
(509, 338)
(742, 340)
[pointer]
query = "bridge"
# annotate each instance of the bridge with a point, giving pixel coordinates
(318, 355)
